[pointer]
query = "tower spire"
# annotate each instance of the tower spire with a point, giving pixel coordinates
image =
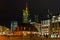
(26, 6)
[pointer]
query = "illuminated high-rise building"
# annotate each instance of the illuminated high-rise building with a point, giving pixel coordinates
(14, 24)
(25, 14)
(36, 18)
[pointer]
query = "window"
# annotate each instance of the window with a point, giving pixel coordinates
(53, 25)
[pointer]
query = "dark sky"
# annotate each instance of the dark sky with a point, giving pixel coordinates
(12, 9)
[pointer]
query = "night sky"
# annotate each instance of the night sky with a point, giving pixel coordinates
(11, 10)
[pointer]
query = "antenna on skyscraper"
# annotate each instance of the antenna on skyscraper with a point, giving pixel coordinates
(49, 14)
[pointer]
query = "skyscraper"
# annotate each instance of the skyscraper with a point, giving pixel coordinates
(25, 14)
(14, 24)
(36, 18)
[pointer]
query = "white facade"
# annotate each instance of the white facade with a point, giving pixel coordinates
(56, 19)
(56, 26)
(45, 28)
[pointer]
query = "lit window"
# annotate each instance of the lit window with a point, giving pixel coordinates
(4, 33)
(58, 36)
(52, 36)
